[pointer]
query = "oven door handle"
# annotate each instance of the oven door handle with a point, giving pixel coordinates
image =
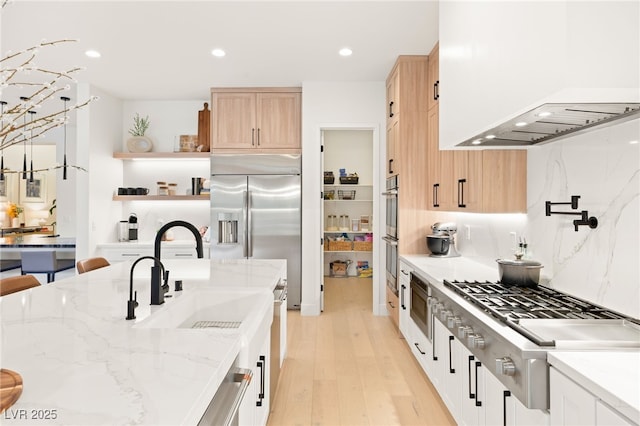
(391, 193)
(390, 241)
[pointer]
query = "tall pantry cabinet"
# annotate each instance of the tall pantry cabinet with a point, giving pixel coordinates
(407, 106)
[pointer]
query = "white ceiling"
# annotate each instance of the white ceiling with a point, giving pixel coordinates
(161, 49)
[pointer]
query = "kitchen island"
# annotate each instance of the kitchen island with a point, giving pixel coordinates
(82, 363)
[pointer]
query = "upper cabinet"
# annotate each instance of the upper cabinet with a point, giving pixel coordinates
(434, 77)
(256, 119)
(501, 59)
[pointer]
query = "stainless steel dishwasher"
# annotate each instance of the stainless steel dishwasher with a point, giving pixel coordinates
(279, 299)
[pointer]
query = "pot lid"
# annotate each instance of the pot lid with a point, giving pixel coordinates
(518, 262)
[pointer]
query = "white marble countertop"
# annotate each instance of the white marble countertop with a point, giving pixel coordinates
(81, 359)
(450, 268)
(611, 376)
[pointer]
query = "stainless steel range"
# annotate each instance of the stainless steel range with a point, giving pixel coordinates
(513, 328)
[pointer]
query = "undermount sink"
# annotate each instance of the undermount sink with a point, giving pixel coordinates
(222, 310)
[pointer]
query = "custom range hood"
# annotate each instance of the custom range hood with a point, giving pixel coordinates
(553, 121)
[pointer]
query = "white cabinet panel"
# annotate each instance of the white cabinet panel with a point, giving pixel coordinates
(609, 417)
(405, 297)
(570, 404)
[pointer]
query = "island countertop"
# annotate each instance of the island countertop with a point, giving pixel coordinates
(83, 363)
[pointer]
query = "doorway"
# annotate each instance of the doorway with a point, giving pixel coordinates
(348, 214)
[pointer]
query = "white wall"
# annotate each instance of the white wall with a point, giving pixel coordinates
(99, 135)
(600, 265)
(336, 105)
(168, 119)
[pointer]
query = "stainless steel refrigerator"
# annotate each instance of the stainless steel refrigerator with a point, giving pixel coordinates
(256, 211)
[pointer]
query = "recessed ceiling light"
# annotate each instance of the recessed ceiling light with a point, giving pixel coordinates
(92, 53)
(521, 124)
(476, 142)
(490, 136)
(633, 142)
(345, 51)
(544, 114)
(218, 53)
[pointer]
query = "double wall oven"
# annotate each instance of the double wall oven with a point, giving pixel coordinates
(391, 231)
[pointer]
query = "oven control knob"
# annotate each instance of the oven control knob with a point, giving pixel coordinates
(454, 322)
(464, 331)
(505, 366)
(444, 315)
(476, 341)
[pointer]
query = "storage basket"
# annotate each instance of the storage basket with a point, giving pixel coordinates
(346, 194)
(329, 178)
(363, 245)
(330, 194)
(349, 180)
(339, 268)
(340, 245)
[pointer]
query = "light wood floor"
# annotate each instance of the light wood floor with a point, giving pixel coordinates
(349, 367)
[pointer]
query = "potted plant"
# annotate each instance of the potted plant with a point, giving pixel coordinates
(138, 142)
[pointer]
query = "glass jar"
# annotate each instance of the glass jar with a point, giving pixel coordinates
(160, 185)
(332, 224)
(163, 190)
(344, 222)
(173, 188)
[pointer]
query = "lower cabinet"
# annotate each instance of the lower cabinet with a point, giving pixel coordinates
(404, 278)
(473, 395)
(392, 306)
(254, 409)
(571, 404)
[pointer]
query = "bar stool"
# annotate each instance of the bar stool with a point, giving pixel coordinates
(44, 262)
(19, 283)
(90, 264)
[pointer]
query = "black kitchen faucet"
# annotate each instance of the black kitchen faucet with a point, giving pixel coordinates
(158, 290)
(132, 303)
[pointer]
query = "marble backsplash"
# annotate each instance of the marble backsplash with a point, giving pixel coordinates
(601, 265)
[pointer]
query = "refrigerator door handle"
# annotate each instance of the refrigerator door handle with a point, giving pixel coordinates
(249, 227)
(245, 210)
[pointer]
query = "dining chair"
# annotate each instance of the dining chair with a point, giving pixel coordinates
(92, 263)
(18, 283)
(44, 262)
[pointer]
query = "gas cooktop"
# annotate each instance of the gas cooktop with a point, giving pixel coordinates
(546, 316)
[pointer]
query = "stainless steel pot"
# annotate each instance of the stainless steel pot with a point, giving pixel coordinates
(519, 272)
(438, 244)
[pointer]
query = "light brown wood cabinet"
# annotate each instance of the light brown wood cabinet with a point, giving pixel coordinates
(434, 77)
(392, 307)
(406, 114)
(487, 181)
(256, 119)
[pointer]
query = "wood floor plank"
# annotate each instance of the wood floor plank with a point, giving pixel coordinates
(348, 367)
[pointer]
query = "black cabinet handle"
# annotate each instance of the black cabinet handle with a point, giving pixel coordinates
(471, 394)
(258, 136)
(402, 289)
(436, 90)
(436, 186)
(451, 369)
(391, 166)
(478, 403)
(433, 337)
(390, 109)
(261, 365)
(461, 183)
(253, 137)
(391, 304)
(420, 350)
(505, 395)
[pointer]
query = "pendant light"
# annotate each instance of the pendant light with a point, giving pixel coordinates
(24, 143)
(64, 164)
(2, 104)
(31, 144)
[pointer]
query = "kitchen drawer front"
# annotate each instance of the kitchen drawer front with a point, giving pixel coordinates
(182, 253)
(125, 254)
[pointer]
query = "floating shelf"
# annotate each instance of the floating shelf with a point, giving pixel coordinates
(160, 197)
(161, 155)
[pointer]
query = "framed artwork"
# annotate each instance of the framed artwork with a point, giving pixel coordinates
(7, 191)
(33, 192)
(4, 187)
